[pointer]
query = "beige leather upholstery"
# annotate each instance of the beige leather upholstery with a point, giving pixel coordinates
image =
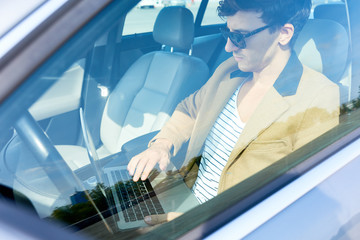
(149, 91)
(323, 46)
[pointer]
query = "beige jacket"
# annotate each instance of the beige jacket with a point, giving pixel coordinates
(301, 105)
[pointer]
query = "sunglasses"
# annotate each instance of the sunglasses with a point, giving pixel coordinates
(238, 39)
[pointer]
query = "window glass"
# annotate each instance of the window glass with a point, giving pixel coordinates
(322, 3)
(211, 15)
(142, 18)
(68, 134)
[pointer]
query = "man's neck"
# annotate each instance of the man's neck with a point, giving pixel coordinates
(268, 75)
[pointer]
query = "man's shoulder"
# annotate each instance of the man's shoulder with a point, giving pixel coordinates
(312, 76)
(314, 79)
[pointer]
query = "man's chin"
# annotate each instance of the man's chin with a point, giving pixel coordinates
(243, 67)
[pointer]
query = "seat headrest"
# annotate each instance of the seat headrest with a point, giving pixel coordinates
(174, 27)
(323, 45)
(333, 11)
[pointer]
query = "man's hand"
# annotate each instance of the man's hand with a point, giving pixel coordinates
(161, 218)
(143, 163)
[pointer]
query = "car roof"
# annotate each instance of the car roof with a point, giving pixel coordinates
(15, 27)
(11, 13)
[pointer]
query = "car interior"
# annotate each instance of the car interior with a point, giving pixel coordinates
(149, 91)
(129, 85)
(322, 45)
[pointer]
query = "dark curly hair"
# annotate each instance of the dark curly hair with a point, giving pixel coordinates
(274, 12)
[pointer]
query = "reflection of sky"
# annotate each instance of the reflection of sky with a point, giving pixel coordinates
(32, 179)
(142, 20)
(37, 180)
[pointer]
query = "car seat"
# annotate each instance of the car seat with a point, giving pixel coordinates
(149, 91)
(323, 46)
(333, 11)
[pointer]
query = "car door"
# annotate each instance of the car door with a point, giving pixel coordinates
(293, 192)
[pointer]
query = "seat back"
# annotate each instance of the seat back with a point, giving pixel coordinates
(149, 91)
(323, 46)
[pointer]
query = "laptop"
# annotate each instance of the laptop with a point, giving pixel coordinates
(131, 201)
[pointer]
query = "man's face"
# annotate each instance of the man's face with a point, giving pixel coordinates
(261, 48)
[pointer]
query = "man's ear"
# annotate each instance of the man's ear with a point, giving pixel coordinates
(286, 33)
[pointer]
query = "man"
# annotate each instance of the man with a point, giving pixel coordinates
(259, 106)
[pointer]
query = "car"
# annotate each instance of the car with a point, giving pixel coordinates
(85, 87)
(167, 3)
(147, 4)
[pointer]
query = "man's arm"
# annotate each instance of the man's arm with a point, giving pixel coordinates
(179, 128)
(170, 139)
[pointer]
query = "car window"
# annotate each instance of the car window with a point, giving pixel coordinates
(210, 15)
(70, 130)
(142, 18)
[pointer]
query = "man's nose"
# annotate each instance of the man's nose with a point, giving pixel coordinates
(230, 47)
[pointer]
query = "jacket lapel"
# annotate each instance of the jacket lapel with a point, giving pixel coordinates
(218, 98)
(270, 109)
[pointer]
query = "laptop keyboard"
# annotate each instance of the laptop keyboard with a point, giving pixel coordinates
(137, 199)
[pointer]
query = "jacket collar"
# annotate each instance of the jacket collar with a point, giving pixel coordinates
(288, 81)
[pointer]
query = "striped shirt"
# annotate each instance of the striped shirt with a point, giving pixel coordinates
(218, 146)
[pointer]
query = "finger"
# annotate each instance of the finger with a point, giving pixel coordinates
(132, 164)
(161, 218)
(139, 169)
(149, 166)
(155, 219)
(173, 215)
(163, 163)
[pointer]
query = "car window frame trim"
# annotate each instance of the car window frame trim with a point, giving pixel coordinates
(32, 51)
(27, 24)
